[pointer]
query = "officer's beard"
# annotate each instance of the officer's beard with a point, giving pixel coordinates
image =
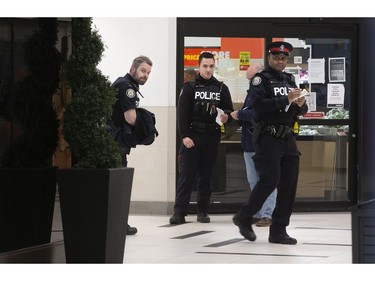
(140, 80)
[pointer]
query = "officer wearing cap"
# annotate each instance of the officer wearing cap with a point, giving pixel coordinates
(277, 104)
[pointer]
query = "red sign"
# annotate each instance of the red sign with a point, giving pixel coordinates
(316, 114)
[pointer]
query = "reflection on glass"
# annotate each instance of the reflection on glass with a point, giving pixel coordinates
(324, 156)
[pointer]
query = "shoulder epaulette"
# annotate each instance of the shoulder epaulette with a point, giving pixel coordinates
(265, 74)
(193, 83)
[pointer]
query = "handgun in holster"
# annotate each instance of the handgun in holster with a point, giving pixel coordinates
(257, 131)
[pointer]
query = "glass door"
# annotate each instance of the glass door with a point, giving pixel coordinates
(322, 66)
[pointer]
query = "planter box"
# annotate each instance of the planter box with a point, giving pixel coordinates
(94, 212)
(27, 200)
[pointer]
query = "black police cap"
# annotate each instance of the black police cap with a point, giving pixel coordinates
(280, 47)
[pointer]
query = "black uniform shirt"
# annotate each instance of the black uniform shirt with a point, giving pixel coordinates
(127, 98)
(195, 96)
(269, 98)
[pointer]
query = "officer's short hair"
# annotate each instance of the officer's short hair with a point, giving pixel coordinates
(205, 55)
(139, 60)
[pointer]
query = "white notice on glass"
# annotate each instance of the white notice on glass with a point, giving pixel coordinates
(316, 71)
(335, 95)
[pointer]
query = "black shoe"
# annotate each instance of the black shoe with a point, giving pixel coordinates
(245, 230)
(131, 230)
(203, 218)
(282, 239)
(177, 219)
(254, 220)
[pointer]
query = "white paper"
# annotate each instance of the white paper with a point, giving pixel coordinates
(335, 95)
(218, 119)
(311, 101)
(303, 93)
(316, 71)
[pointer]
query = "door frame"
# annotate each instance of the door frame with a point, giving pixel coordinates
(283, 28)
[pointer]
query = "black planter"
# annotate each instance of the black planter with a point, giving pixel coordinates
(27, 200)
(94, 212)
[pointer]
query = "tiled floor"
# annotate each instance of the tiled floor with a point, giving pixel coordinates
(213, 251)
(323, 238)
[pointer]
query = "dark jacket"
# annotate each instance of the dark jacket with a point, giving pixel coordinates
(269, 97)
(127, 98)
(197, 92)
(246, 119)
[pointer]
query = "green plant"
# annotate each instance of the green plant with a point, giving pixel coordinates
(30, 105)
(86, 116)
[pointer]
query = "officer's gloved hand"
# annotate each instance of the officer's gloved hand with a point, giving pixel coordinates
(300, 101)
(294, 94)
(224, 118)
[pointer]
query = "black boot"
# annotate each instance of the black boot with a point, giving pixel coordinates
(203, 217)
(245, 229)
(131, 230)
(278, 235)
(282, 238)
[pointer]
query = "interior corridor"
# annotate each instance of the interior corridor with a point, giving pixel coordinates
(323, 238)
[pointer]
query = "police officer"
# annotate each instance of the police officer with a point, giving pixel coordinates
(277, 104)
(246, 118)
(197, 111)
(124, 114)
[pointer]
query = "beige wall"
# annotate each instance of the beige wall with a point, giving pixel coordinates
(155, 167)
(125, 38)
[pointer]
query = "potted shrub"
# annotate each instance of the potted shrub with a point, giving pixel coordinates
(95, 192)
(28, 180)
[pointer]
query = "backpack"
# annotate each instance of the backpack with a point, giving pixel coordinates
(145, 131)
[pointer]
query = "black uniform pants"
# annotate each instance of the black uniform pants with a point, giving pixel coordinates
(198, 160)
(277, 163)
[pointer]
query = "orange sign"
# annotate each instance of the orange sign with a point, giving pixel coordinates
(191, 55)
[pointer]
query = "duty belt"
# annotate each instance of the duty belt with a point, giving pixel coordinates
(279, 131)
(201, 127)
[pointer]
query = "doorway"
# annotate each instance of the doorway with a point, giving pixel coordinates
(322, 62)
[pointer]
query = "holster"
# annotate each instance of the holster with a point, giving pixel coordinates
(280, 132)
(258, 129)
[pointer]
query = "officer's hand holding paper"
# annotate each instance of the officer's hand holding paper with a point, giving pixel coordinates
(300, 101)
(218, 117)
(295, 95)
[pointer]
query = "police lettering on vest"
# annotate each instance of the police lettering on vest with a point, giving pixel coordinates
(207, 95)
(280, 91)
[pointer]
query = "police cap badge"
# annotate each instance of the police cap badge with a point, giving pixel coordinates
(279, 47)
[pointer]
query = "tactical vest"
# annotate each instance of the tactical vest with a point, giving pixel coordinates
(205, 101)
(277, 87)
